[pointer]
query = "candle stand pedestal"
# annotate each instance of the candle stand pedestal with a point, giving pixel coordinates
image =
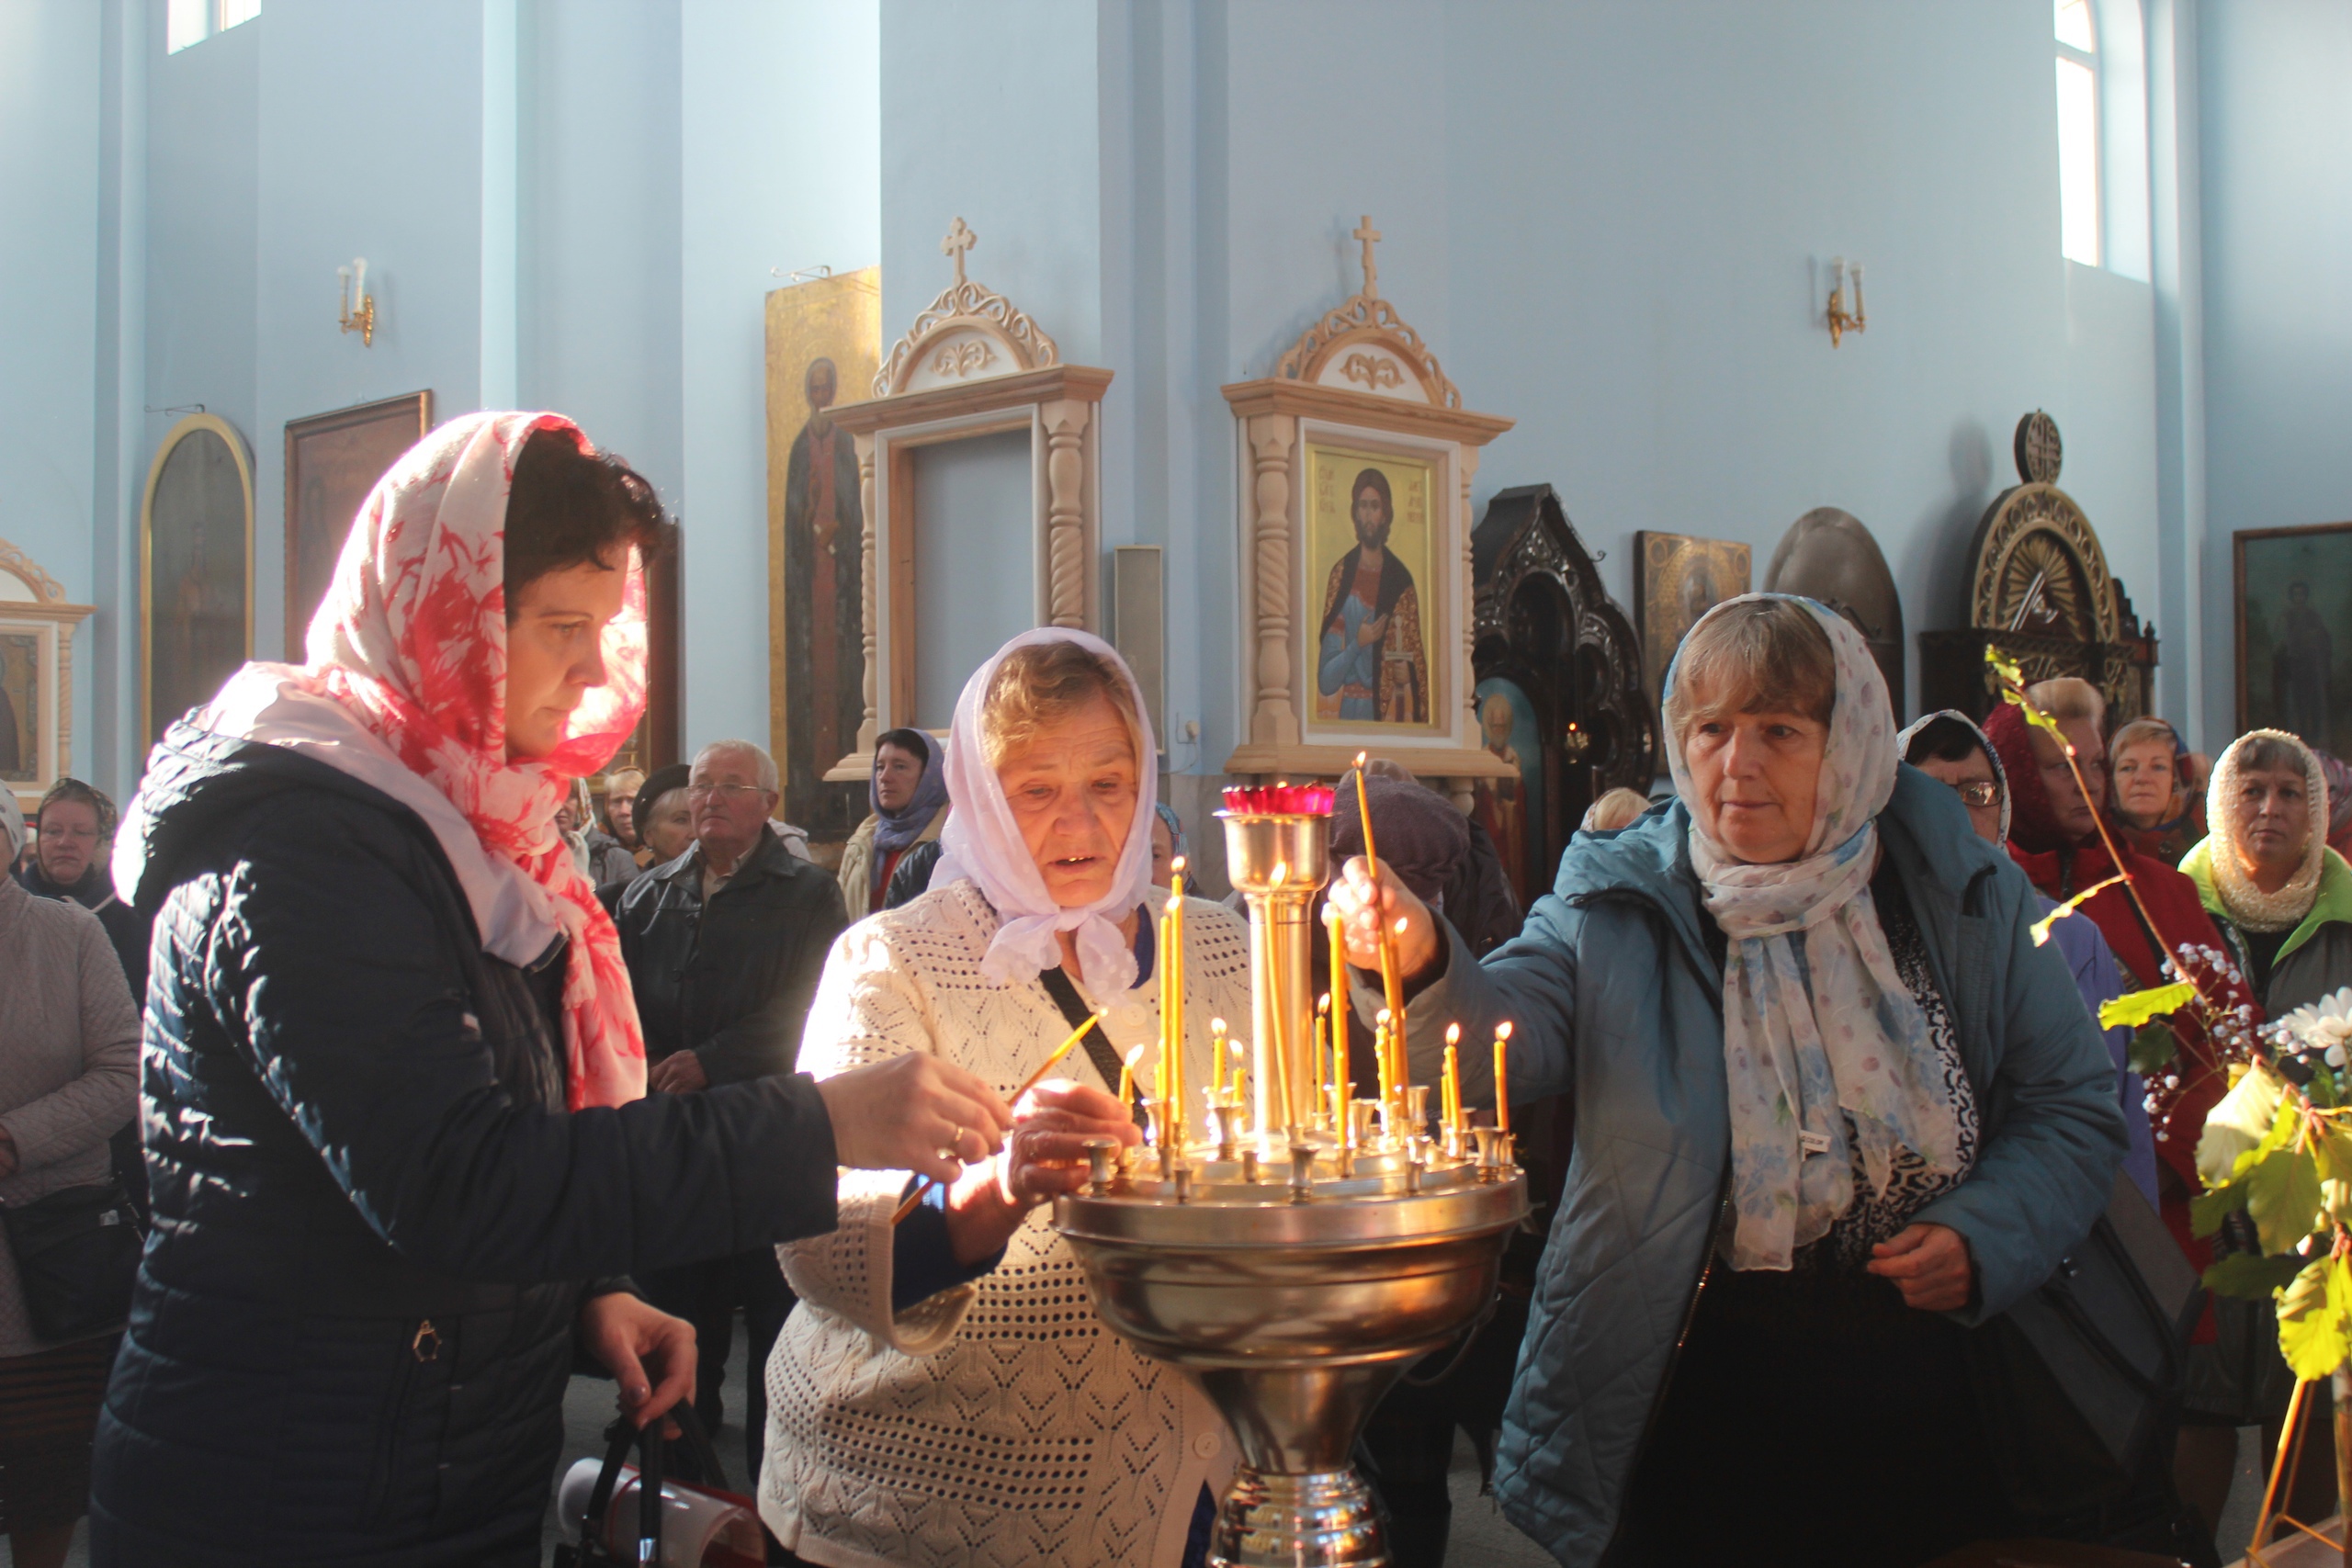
(1295, 1283)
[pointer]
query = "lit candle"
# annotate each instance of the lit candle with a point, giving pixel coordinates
(1176, 960)
(1450, 1087)
(358, 282)
(1217, 1046)
(1127, 1075)
(1380, 1054)
(1163, 1070)
(1173, 1025)
(1502, 1082)
(1322, 1040)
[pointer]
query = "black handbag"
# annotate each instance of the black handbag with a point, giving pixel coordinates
(593, 1549)
(2079, 1383)
(77, 1254)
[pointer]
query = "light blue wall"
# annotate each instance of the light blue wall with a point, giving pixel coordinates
(50, 95)
(2278, 297)
(1610, 220)
(782, 143)
(370, 139)
(990, 114)
(663, 156)
(598, 271)
(1644, 200)
(1608, 217)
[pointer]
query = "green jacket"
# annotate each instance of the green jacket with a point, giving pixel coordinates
(1618, 998)
(2316, 958)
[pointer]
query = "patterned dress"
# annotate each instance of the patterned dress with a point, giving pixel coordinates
(1911, 1186)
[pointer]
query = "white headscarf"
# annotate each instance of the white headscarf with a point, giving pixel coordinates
(2248, 904)
(983, 843)
(1818, 1027)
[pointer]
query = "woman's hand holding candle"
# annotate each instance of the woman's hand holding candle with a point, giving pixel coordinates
(1044, 1157)
(1369, 908)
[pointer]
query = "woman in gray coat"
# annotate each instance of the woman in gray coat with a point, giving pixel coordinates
(69, 1068)
(1832, 1106)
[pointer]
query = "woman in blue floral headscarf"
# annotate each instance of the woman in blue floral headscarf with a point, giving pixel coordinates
(1832, 1106)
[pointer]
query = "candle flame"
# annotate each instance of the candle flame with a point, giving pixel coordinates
(1323, 1002)
(1135, 1055)
(1454, 1034)
(1399, 927)
(1216, 1026)
(1502, 1031)
(1177, 865)
(1381, 1018)
(1359, 759)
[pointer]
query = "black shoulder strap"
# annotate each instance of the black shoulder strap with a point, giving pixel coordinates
(1075, 1012)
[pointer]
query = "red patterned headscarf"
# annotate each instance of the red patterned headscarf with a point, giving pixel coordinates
(411, 641)
(405, 691)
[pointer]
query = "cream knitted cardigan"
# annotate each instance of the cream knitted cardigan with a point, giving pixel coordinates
(999, 1422)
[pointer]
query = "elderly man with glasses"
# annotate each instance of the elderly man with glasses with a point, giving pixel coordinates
(724, 946)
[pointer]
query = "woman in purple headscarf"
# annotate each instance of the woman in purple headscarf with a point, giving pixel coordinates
(908, 792)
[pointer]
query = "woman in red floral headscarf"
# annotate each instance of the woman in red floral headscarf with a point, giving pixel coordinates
(394, 1105)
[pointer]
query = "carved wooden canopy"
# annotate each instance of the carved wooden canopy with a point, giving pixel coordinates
(971, 365)
(2040, 592)
(1545, 620)
(1360, 379)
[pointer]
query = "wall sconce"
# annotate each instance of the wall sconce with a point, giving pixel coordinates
(358, 305)
(1840, 323)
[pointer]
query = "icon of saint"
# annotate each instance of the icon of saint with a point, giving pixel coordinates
(824, 529)
(2301, 669)
(1371, 657)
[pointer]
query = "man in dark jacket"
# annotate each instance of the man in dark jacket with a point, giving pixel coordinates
(725, 945)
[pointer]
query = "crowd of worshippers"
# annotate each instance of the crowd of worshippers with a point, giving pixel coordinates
(432, 1075)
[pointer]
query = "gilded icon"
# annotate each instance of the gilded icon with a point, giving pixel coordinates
(823, 346)
(1677, 578)
(1372, 571)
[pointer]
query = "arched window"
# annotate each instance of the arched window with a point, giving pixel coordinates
(2078, 132)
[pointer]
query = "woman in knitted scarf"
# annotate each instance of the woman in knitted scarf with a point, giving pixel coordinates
(2282, 899)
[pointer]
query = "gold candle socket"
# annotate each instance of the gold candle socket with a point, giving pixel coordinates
(1278, 863)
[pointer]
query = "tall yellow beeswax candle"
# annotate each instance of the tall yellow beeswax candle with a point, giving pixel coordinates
(1502, 1082)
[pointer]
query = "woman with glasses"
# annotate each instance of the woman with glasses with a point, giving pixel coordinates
(1949, 749)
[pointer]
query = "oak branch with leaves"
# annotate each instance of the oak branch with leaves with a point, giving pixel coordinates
(2277, 1149)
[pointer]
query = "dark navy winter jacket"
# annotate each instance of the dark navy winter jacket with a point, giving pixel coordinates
(375, 1219)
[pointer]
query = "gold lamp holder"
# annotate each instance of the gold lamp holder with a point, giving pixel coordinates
(1840, 323)
(361, 319)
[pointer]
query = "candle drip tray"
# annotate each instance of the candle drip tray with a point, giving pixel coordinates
(1294, 1308)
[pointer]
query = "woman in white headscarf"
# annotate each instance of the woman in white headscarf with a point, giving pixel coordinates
(945, 1395)
(2280, 896)
(1832, 1104)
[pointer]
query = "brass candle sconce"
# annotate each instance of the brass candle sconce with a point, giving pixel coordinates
(358, 305)
(1840, 323)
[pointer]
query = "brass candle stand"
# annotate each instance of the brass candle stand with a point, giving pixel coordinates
(1293, 1267)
